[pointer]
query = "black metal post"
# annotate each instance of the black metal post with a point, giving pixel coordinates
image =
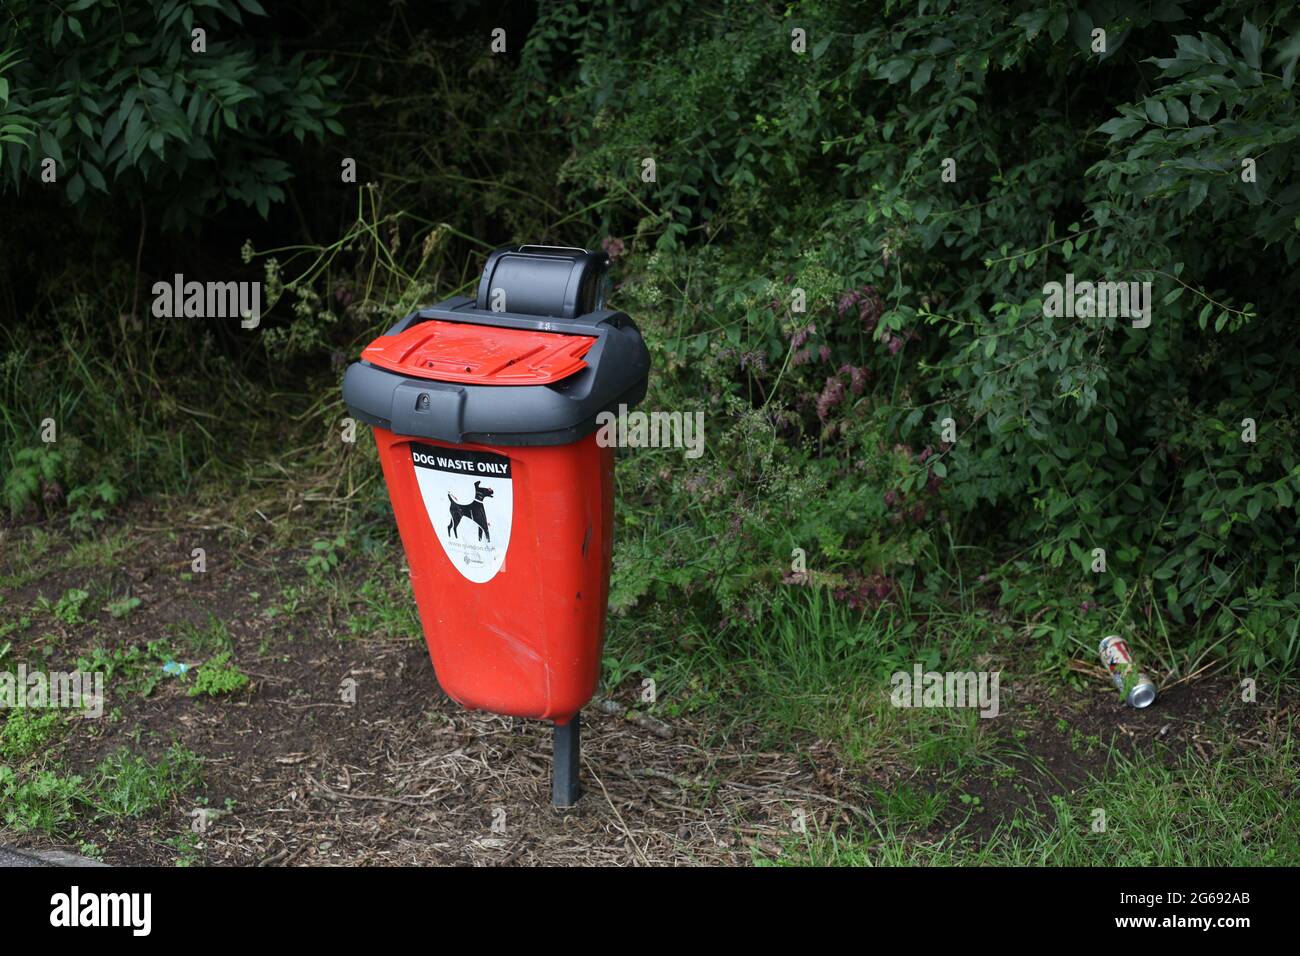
(565, 789)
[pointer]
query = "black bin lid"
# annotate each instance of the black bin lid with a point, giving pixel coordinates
(599, 360)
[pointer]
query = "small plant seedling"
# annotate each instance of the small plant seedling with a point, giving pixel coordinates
(219, 676)
(89, 504)
(187, 846)
(32, 470)
(67, 608)
(324, 557)
(123, 608)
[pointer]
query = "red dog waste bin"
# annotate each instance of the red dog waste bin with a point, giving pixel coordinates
(484, 412)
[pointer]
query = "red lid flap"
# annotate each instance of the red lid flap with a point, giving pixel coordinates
(480, 354)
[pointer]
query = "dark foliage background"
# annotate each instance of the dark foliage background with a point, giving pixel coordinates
(776, 171)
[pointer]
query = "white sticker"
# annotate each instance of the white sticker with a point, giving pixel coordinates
(469, 496)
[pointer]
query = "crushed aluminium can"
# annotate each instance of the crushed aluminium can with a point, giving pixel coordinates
(1139, 690)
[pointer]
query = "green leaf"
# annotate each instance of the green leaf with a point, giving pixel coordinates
(50, 146)
(1033, 22)
(1206, 106)
(1060, 22)
(922, 75)
(1250, 44)
(94, 176)
(1121, 127)
(896, 70)
(1081, 30)
(1284, 497)
(1177, 111)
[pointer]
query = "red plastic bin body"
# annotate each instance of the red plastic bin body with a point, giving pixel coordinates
(528, 641)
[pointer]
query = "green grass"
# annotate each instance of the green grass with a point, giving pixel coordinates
(808, 664)
(128, 785)
(41, 801)
(114, 408)
(67, 608)
(208, 638)
(103, 550)
(910, 803)
(383, 605)
(135, 669)
(33, 543)
(25, 732)
(799, 666)
(123, 785)
(1237, 809)
(809, 668)
(14, 625)
(123, 608)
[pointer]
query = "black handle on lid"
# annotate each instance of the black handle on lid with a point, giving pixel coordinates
(558, 281)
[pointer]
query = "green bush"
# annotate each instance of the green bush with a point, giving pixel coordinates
(118, 97)
(824, 171)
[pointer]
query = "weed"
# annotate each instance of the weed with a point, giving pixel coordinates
(219, 676)
(187, 847)
(127, 785)
(100, 551)
(122, 608)
(33, 476)
(27, 731)
(912, 804)
(43, 801)
(324, 558)
(67, 608)
(211, 637)
(133, 668)
(89, 504)
(386, 607)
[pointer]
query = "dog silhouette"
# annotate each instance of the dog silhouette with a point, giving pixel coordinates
(474, 511)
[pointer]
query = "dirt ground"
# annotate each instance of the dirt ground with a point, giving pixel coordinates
(406, 776)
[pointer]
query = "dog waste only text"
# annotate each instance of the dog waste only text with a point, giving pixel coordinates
(459, 464)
